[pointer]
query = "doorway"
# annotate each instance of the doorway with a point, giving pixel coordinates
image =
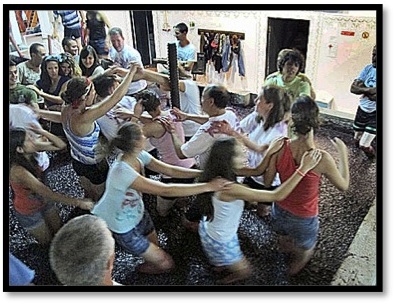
(285, 33)
(143, 35)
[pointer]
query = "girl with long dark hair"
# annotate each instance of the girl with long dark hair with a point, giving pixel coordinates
(223, 210)
(33, 201)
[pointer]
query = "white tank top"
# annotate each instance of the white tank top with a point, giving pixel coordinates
(227, 216)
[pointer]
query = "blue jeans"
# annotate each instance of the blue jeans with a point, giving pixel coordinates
(135, 241)
(303, 230)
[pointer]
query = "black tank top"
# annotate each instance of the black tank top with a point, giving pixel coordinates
(96, 28)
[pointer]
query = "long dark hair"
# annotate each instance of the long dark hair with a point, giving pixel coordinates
(281, 103)
(17, 139)
(305, 115)
(127, 137)
(150, 101)
(219, 163)
(86, 50)
(44, 76)
(76, 88)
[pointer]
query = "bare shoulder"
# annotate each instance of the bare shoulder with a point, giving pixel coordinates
(18, 173)
(235, 191)
(326, 161)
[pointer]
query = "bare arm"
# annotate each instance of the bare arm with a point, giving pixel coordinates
(270, 172)
(169, 126)
(171, 170)
(52, 98)
(338, 176)
(358, 87)
(308, 162)
(53, 116)
(47, 141)
(153, 187)
(224, 127)
(24, 177)
(105, 19)
(183, 116)
(99, 109)
(12, 39)
(274, 147)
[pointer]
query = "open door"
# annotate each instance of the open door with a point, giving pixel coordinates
(285, 33)
(143, 35)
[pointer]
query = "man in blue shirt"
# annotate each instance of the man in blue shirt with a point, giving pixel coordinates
(365, 121)
(186, 51)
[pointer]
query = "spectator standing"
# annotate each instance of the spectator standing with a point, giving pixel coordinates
(70, 46)
(186, 51)
(96, 34)
(123, 56)
(365, 121)
(71, 21)
(29, 71)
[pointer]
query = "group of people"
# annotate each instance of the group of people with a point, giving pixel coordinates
(268, 159)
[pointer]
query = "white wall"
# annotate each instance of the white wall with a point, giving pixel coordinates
(332, 72)
(121, 19)
(331, 69)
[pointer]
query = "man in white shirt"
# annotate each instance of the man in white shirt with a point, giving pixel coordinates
(214, 102)
(123, 56)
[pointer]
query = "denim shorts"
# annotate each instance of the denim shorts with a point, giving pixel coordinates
(136, 241)
(35, 220)
(220, 253)
(303, 230)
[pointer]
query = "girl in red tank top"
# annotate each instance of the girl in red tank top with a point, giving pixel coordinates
(33, 200)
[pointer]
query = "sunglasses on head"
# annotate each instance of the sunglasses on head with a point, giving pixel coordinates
(65, 57)
(52, 58)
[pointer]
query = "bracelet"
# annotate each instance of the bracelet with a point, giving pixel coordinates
(300, 173)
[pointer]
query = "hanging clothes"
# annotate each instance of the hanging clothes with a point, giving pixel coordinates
(226, 60)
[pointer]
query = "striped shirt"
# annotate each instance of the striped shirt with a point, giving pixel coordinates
(70, 19)
(87, 149)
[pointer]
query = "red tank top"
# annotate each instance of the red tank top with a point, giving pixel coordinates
(25, 201)
(303, 200)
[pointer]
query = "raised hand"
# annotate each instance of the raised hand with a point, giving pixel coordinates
(34, 88)
(179, 115)
(339, 145)
(36, 129)
(135, 67)
(167, 124)
(138, 109)
(221, 127)
(122, 113)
